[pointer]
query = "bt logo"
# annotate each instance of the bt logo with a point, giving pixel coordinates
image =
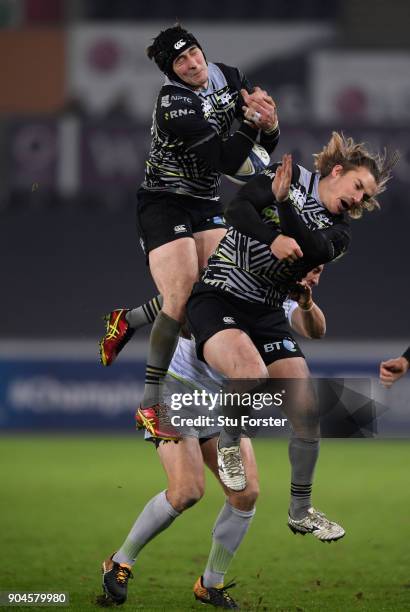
(287, 343)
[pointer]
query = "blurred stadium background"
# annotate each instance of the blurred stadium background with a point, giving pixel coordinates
(77, 93)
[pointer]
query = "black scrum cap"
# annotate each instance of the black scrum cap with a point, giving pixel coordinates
(168, 45)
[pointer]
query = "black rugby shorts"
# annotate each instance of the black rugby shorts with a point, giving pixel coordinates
(165, 217)
(210, 310)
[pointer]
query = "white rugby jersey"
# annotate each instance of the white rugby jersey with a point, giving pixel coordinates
(186, 366)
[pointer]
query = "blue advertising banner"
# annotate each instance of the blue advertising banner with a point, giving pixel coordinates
(60, 393)
(65, 395)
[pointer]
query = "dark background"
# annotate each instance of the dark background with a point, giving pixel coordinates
(69, 256)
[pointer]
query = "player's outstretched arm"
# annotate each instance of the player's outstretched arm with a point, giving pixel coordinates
(307, 319)
(393, 369)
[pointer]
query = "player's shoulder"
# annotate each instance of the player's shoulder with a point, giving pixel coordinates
(172, 97)
(304, 177)
(233, 75)
(175, 104)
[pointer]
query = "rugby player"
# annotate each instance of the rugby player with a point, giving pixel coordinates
(185, 486)
(284, 222)
(179, 215)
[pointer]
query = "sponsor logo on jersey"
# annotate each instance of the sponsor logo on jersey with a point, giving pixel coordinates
(270, 213)
(165, 101)
(184, 98)
(179, 229)
(272, 346)
(287, 344)
(229, 321)
(182, 112)
(179, 44)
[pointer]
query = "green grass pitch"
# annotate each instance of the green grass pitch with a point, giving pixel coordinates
(68, 502)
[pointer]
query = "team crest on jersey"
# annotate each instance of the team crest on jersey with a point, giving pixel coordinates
(297, 195)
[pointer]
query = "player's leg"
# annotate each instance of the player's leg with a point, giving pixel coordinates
(122, 323)
(304, 442)
(232, 353)
(302, 411)
(174, 268)
(183, 465)
(217, 323)
(173, 261)
(145, 314)
(166, 235)
(231, 524)
(206, 242)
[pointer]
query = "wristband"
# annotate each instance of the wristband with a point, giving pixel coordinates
(272, 129)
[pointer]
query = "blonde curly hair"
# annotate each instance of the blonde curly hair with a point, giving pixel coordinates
(351, 155)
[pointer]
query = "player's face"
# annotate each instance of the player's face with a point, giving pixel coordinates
(312, 278)
(191, 67)
(341, 190)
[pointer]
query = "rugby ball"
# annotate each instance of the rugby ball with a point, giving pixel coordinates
(257, 160)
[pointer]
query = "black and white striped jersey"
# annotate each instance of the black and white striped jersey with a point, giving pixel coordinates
(188, 127)
(243, 263)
